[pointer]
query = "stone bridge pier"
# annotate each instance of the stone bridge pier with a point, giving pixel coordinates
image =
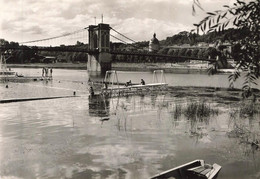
(99, 58)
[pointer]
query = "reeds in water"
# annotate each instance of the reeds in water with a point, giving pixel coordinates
(194, 111)
(249, 109)
(245, 110)
(199, 110)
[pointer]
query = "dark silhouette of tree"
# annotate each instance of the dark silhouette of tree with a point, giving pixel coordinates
(194, 53)
(182, 52)
(170, 52)
(245, 17)
(163, 51)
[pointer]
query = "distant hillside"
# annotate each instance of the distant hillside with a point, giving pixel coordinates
(185, 37)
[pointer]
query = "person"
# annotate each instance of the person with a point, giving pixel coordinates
(91, 91)
(105, 84)
(43, 71)
(90, 83)
(129, 83)
(142, 82)
(46, 71)
(50, 72)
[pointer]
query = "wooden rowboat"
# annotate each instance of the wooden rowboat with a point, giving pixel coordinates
(196, 169)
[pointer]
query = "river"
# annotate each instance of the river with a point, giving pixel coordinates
(128, 137)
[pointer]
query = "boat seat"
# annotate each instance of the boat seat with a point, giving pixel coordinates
(203, 170)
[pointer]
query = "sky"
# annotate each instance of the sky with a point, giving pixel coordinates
(25, 20)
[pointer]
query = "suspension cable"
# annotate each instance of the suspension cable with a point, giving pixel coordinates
(118, 39)
(123, 35)
(51, 38)
(122, 41)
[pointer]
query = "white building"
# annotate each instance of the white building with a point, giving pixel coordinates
(154, 44)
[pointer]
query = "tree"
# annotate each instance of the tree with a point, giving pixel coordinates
(170, 52)
(163, 51)
(201, 53)
(212, 52)
(176, 52)
(244, 17)
(194, 53)
(188, 52)
(182, 52)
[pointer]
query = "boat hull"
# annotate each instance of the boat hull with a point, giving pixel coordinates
(196, 169)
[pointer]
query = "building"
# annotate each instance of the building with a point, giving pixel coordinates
(154, 44)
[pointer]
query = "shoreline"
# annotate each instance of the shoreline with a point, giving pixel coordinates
(167, 67)
(81, 66)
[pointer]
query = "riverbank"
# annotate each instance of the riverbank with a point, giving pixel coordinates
(198, 67)
(122, 66)
(82, 66)
(182, 68)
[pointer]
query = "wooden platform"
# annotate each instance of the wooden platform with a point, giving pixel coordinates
(133, 89)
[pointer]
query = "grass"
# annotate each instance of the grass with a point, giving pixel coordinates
(177, 111)
(199, 110)
(245, 110)
(194, 111)
(249, 109)
(243, 119)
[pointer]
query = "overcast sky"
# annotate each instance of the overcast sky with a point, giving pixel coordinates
(24, 20)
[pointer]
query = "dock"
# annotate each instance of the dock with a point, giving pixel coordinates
(112, 87)
(134, 89)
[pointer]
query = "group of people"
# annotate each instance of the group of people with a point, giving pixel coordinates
(45, 72)
(129, 83)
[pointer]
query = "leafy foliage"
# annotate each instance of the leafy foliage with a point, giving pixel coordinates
(23, 55)
(245, 17)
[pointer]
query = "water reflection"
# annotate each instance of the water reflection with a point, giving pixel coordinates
(128, 137)
(99, 106)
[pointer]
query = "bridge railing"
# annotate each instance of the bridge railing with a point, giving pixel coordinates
(86, 50)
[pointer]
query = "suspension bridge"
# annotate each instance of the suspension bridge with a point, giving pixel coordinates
(99, 38)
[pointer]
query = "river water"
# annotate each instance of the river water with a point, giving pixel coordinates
(127, 137)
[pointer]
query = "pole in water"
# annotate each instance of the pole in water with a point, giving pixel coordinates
(6, 86)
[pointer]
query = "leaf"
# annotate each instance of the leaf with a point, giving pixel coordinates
(201, 28)
(235, 21)
(219, 28)
(226, 24)
(224, 15)
(193, 10)
(241, 2)
(223, 27)
(218, 18)
(231, 12)
(226, 6)
(210, 13)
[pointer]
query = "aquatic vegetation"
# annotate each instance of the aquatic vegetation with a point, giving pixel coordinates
(244, 121)
(249, 109)
(177, 111)
(194, 111)
(245, 110)
(199, 110)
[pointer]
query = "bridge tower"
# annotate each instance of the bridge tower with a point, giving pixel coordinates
(99, 58)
